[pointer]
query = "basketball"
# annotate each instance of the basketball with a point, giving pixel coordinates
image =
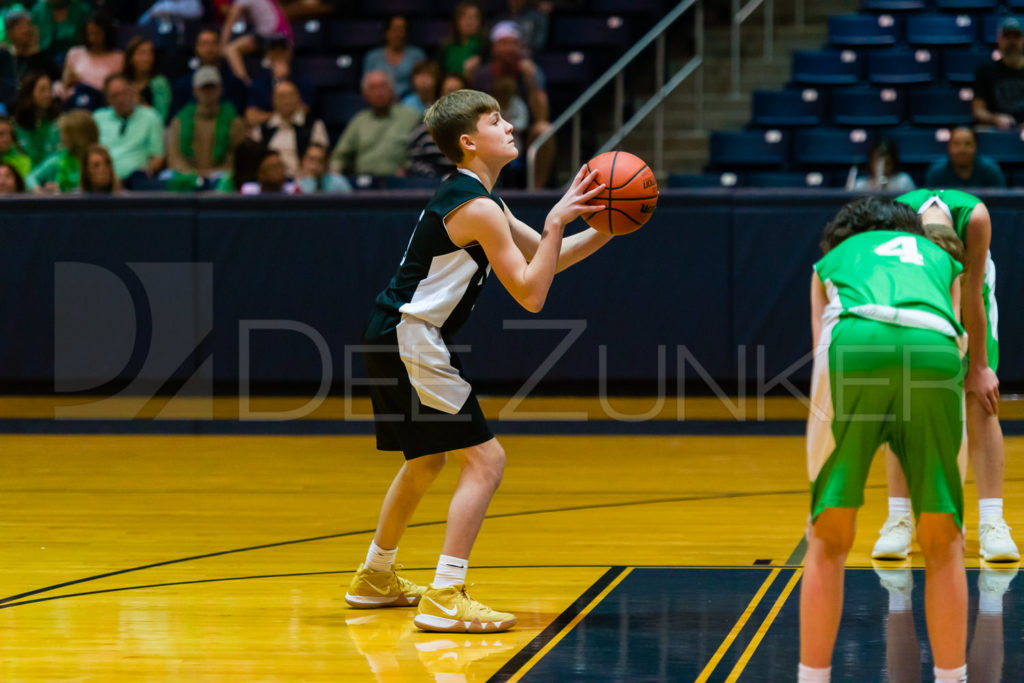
(631, 193)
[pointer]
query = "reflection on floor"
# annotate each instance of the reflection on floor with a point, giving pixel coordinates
(666, 624)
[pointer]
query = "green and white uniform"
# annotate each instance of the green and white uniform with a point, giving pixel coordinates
(422, 402)
(887, 368)
(959, 206)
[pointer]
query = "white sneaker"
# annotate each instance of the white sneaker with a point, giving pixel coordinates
(894, 540)
(896, 580)
(995, 581)
(995, 543)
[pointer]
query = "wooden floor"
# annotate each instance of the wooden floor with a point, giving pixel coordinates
(216, 558)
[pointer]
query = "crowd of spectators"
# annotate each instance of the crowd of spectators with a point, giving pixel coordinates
(229, 113)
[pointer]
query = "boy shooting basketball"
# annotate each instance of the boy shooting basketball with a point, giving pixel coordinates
(887, 369)
(422, 403)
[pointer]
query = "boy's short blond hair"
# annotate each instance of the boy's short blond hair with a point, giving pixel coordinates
(946, 237)
(453, 116)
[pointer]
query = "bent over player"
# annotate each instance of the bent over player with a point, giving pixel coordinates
(887, 368)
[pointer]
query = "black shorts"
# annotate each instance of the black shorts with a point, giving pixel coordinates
(399, 359)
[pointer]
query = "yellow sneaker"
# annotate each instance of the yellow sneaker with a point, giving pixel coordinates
(451, 610)
(370, 588)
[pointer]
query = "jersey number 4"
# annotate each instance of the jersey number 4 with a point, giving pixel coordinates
(903, 247)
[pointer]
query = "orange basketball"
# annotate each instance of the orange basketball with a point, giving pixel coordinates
(631, 195)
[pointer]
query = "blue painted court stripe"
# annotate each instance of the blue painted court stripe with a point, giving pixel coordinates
(517, 662)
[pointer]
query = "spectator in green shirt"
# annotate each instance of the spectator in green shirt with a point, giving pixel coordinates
(132, 133)
(60, 24)
(9, 151)
(463, 51)
(140, 67)
(35, 117)
(61, 172)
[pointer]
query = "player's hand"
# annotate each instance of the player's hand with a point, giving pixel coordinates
(984, 385)
(1005, 121)
(576, 200)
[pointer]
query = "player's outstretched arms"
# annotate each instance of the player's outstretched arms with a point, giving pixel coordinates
(482, 221)
(981, 380)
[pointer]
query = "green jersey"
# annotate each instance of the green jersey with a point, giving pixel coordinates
(893, 277)
(960, 205)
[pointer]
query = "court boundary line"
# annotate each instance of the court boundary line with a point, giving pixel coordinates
(519, 665)
(709, 668)
(416, 525)
(765, 625)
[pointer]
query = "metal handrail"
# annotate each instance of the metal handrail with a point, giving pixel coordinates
(741, 14)
(616, 72)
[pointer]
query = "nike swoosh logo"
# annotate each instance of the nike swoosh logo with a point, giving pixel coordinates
(382, 591)
(450, 612)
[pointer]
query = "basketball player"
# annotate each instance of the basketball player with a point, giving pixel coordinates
(887, 369)
(967, 215)
(422, 403)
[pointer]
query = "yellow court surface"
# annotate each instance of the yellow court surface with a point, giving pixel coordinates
(156, 557)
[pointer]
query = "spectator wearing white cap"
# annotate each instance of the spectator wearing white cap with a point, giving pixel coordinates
(999, 86)
(202, 137)
(509, 61)
(532, 22)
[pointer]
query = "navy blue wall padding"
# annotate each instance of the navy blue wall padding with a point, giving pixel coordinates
(106, 295)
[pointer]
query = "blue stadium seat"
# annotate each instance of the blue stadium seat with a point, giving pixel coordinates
(325, 71)
(990, 26)
(565, 68)
(940, 107)
(867, 106)
(701, 180)
(863, 30)
(602, 32)
(893, 5)
(1015, 4)
(959, 65)
(827, 67)
(355, 34)
(429, 33)
(919, 147)
(797, 107)
(902, 67)
(966, 5)
(815, 147)
(780, 179)
(736, 149)
(336, 108)
(310, 36)
(941, 29)
(1005, 146)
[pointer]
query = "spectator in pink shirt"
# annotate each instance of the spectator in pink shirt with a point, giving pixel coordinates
(88, 65)
(266, 21)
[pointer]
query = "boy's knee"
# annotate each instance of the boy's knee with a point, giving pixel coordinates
(488, 459)
(937, 534)
(834, 533)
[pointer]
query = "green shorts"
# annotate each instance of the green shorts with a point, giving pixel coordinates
(876, 383)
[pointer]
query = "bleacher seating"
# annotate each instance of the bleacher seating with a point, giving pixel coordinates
(901, 70)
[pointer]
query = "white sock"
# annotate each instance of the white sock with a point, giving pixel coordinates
(380, 560)
(899, 507)
(958, 675)
(990, 507)
(898, 602)
(807, 674)
(990, 603)
(450, 571)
